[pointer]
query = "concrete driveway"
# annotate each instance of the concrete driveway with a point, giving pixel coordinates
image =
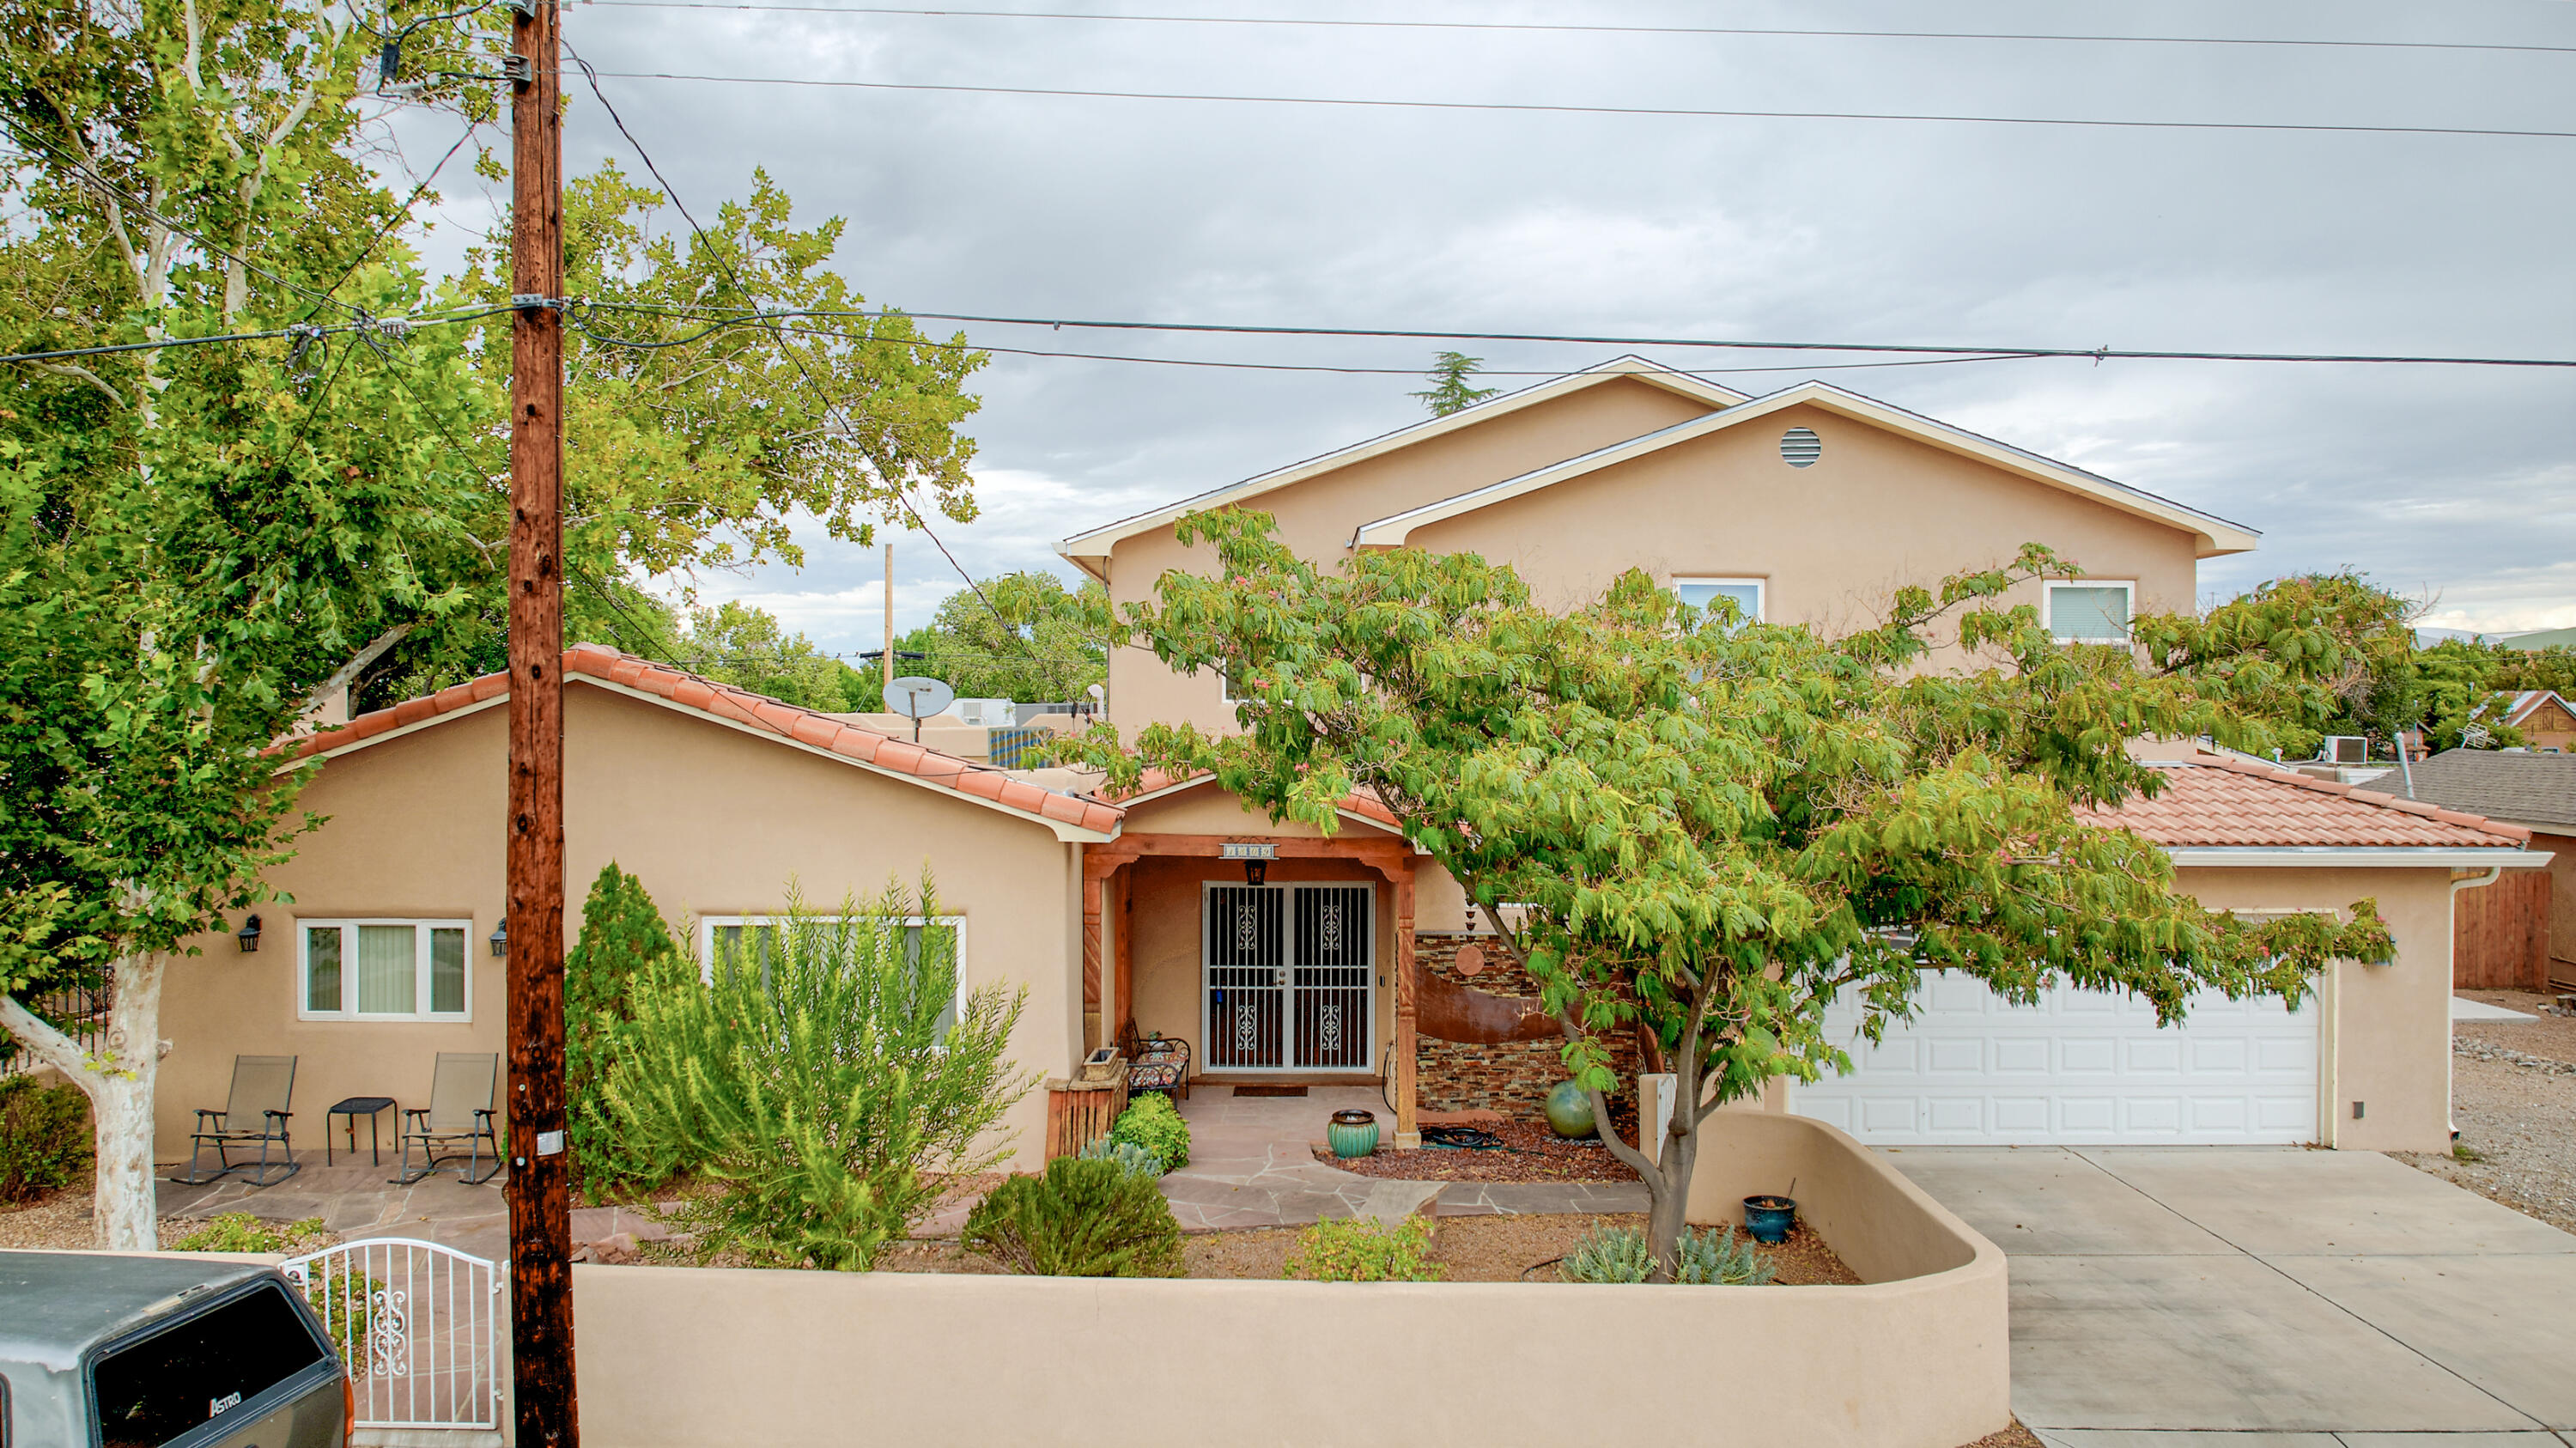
(2194, 1297)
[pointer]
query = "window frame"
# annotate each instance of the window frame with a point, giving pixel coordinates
(1225, 684)
(708, 925)
(2128, 610)
(1761, 587)
(347, 925)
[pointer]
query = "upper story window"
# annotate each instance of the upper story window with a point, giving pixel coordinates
(1700, 593)
(2089, 612)
(1225, 677)
(384, 970)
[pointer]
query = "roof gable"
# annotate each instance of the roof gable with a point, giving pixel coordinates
(2211, 535)
(1097, 543)
(1071, 817)
(2218, 801)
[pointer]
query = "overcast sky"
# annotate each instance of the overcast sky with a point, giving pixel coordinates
(2456, 482)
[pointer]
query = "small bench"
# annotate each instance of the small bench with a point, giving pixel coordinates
(1159, 1063)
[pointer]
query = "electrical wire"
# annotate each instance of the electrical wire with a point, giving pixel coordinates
(1533, 27)
(400, 214)
(365, 326)
(830, 405)
(1540, 108)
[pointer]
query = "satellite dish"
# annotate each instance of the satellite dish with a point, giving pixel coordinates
(917, 698)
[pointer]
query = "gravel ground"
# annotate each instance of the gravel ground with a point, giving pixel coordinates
(62, 1221)
(2015, 1436)
(1531, 1153)
(2513, 1098)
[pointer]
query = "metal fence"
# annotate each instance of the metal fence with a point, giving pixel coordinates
(78, 1011)
(419, 1326)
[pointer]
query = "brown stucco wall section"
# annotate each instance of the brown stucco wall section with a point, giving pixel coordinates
(714, 820)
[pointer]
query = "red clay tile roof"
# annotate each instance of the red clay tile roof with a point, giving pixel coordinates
(740, 706)
(1358, 802)
(2218, 801)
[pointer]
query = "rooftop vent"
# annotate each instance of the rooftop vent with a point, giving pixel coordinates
(1800, 447)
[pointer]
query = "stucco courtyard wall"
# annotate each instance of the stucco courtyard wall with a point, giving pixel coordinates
(707, 1358)
(713, 820)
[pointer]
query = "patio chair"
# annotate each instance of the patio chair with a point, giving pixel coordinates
(257, 1110)
(462, 1088)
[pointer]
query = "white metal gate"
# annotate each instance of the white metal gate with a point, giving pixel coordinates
(1290, 977)
(419, 1326)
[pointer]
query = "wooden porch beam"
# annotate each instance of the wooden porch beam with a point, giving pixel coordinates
(1092, 885)
(1408, 1006)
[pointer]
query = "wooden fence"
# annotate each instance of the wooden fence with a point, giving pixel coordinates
(2500, 934)
(1081, 1112)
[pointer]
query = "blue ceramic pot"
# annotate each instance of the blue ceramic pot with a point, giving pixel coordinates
(1569, 1111)
(1768, 1219)
(1352, 1133)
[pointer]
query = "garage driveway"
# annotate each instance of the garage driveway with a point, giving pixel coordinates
(2190, 1297)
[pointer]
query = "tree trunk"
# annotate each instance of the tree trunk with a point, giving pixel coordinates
(118, 1080)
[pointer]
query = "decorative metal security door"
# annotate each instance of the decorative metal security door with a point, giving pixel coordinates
(1290, 977)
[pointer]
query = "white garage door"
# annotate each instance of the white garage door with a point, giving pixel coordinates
(2080, 1067)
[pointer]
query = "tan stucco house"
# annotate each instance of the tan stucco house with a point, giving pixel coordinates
(1353, 958)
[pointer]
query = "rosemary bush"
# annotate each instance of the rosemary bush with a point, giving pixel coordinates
(1084, 1218)
(823, 1079)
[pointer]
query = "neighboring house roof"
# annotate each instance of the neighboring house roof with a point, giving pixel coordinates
(2216, 802)
(2538, 789)
(2211, 535)
(1097, 542)
(1071, 816)
(1160, 784)
(2529, 701)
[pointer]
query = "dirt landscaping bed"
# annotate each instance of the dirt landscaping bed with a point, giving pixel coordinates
(2513, 1099)
(1530, 1153)
(1481, 1248)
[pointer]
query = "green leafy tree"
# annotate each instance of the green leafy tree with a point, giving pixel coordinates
(623, 941)
(1451, 390)
(2519, 669)
(1022, 636)
(200, 546)
(1717, 828)
(825, 1077)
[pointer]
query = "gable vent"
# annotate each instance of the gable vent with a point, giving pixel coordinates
(1800, 447)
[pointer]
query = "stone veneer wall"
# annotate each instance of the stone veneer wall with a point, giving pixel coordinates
(1512, 1077)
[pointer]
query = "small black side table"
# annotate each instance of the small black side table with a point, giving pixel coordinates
(370, 1107)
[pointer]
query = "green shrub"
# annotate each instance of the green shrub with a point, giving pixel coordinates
(242, 1232)
(1152, 1123)
(1362, 1251)
(822, 1079)
(1709, 1258)
(1128, 1154)
(622, 938)
(44, 1137)
(1083, 1218)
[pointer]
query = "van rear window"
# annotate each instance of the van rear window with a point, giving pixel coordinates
(200, 1367)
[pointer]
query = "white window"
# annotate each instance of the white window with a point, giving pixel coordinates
(1225, 679)
(1701, 593)
(732, 934)
(384, 970)
(2089, 612)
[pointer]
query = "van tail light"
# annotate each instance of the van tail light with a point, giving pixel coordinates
(349, 1405)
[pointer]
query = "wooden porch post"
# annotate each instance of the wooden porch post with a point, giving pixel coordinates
(1094, 877)
(1123, 974)
(1408, 1130)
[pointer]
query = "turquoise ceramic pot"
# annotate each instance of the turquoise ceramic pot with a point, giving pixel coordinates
(1569, 1111)
(1352, 1133)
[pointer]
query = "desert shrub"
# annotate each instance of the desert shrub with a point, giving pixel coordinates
(623, 939)
(1152, 1123)
(44, 1137)
(1083, 1218)
(1709, 1258)
(242, 1232)
(1362, 1251)
(1128, 1154)
(821, 1078)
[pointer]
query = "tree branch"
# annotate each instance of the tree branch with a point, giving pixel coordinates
(74, 369)
(347, 673)
(50, 1046)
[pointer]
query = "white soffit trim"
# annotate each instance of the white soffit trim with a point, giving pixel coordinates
(1098, 542)
(2211, 535)
(2391, 857)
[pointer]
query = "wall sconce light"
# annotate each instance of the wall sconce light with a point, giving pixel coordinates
(1254, 871)
(248, 935)
(500, 938)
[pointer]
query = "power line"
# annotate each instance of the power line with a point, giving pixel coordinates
(1593, 29)
(1539, 108)
(365, 326)
(2105, 353)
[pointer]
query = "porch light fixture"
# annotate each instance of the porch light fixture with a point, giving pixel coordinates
(1254, 871)
(1256, 858)
(500, 939)
(248, 935)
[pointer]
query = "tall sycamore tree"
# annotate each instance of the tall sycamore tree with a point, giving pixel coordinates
(1715, 827)
(201, 545)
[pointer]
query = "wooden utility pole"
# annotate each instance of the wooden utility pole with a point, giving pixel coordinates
(889, 626)
(539, 1194)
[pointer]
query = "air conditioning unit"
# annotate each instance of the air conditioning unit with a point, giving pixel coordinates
(985, 713)
(2347, 749)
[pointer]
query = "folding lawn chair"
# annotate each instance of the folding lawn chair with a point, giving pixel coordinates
(263, 1089)
(462, 1088)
